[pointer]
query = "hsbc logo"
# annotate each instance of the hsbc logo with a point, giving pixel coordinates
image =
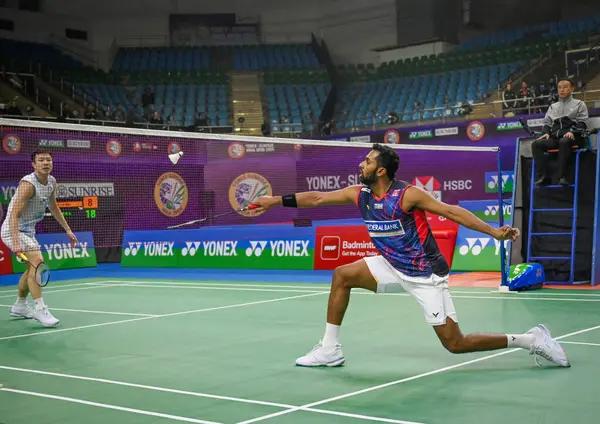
(458, 185)
(429, 184)
(330, 248)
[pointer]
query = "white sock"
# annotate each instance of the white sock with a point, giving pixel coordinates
(39, 303)
(332, 335)
(523, 341)
(21, 300)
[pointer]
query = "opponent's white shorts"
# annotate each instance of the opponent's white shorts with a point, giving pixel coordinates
(432, 293)
(27, 241)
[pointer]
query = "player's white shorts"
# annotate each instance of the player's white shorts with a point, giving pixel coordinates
(27, 241)
(432, 293)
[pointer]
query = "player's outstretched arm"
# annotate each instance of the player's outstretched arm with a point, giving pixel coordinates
(418, 198)
(57, 214)
(312, 199)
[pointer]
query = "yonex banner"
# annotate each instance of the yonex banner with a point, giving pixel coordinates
(256, 246)
(491, 181)
(7, 191)
(476, 251)
(487, 210)
(58, 253)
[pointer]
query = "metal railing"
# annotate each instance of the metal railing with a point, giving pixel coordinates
(533, 105)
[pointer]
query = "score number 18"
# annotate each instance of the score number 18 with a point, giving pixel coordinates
(90, 204)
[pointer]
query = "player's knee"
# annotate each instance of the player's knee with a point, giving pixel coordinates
(342, 275)
(453, 342)
(453, 346)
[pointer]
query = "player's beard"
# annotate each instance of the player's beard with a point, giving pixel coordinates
(368, 179)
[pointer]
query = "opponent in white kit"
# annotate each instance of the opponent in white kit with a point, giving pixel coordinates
(35, 193)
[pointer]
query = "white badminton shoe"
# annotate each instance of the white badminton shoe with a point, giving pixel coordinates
(21, 310)
(322, 356)
(546, 347)
(45, 318)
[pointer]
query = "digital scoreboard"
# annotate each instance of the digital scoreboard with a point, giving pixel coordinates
(87, 207)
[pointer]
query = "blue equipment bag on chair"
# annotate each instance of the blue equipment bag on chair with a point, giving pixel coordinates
(527, 276)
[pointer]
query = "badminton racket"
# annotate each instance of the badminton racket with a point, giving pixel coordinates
(196, 221)
(42, 271)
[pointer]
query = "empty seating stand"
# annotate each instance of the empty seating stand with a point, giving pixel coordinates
(295, 99)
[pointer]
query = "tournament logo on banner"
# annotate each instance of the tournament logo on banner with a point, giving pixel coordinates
(171, 194)
(236, 150)
(491, 182)
(475, 131)
(391, 137)
(11, 144)
(113, 148)
(246, 189)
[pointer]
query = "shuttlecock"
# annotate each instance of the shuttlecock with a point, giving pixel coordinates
(175, 157)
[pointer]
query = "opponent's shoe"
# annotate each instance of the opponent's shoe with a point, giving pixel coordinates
(21, 310)
(322, 356)
(546, 347)
(45, 318)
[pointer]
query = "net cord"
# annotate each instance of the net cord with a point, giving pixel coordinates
(225, 137)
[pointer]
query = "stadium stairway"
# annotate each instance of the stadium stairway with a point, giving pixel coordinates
(592, 98)
(58, 95)
(8, 91)
(247, 102)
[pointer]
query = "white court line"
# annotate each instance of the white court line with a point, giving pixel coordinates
(54, 286)
(107, 406)
(455, 290)
(237, 305)
(202, 395)
(404, 380)
(359, 292)
(219, 284)
(89, 286)
(581, 343)
(171, 286)
(547, 299)
(86, 311)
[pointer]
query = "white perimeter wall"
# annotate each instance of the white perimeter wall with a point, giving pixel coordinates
(351, 28)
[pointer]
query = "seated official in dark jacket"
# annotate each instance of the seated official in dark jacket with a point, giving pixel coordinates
(563, 123)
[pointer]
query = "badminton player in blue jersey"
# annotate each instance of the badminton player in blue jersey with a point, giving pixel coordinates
(409, 260)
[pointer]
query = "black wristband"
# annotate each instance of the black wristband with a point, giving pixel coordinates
(289, 201)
